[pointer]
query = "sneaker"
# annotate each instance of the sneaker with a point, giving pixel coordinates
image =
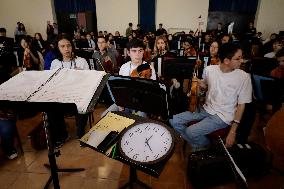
(13, 155)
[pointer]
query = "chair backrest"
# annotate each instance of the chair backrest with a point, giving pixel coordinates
(263, 66)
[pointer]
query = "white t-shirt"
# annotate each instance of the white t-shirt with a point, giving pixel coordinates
(127, 68)
(78, 62)
(225, 91)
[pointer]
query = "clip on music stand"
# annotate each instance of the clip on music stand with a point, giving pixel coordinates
(49, 107)
(141, 95)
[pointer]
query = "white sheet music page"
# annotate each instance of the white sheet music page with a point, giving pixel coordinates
(21, 86)
(71, 86)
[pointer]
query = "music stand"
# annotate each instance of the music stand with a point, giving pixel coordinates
(178, 67)
(142, 95)
(49, 107)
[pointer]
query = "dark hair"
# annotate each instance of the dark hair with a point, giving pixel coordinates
(28, 40)
(135, 43)
(130, 24)
(188, 40)
(280, 53)
(40, 36)
(277, 40)
(59, 38)
(143, 67)
(21, 27)
(103, 37)
(228, 50)
(2, 30)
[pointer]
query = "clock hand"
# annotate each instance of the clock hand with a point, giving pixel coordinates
(149, 146)
(147, 140)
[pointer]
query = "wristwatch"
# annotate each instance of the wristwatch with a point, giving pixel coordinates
(237, 122)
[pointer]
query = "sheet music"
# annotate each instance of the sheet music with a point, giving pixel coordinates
(21, 86)
(96, 137)
(232, 160)
(113, 122)
(71, 86)
(66, 86)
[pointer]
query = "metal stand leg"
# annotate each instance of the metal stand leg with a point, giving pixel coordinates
(52, 159)
(133, 179)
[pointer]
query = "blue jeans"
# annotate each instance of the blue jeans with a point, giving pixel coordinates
(257, 86)
(196, 133)
(7, 133)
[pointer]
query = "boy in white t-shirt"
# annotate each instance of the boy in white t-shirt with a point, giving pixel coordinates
(228, 90)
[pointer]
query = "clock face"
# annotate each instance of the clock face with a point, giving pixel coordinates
(147, 142)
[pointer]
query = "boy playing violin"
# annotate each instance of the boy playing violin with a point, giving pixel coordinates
(228, 90)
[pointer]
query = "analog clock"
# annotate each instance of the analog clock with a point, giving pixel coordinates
(146, 142)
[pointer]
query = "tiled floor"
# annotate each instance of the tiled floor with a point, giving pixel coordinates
(28, 172)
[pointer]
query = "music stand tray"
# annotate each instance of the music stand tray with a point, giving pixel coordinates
(151, 169)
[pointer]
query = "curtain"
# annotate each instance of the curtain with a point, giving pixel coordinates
(74, 6)
(244, 6)
(147, 12)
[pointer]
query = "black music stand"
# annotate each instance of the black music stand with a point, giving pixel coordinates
(49, 107)
(178, 67)
(51, 153)
(141, 95)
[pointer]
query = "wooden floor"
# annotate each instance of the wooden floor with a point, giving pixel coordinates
(28, 172)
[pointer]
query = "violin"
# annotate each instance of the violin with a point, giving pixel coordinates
(193, 94)
(27, 60)
(190, 52)
(107, 65)
(215, 61)
(142, 71)
(147, 55)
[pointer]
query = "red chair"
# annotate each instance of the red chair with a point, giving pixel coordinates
(213, 136)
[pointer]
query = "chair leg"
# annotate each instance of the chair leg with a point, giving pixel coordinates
(19, 141)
